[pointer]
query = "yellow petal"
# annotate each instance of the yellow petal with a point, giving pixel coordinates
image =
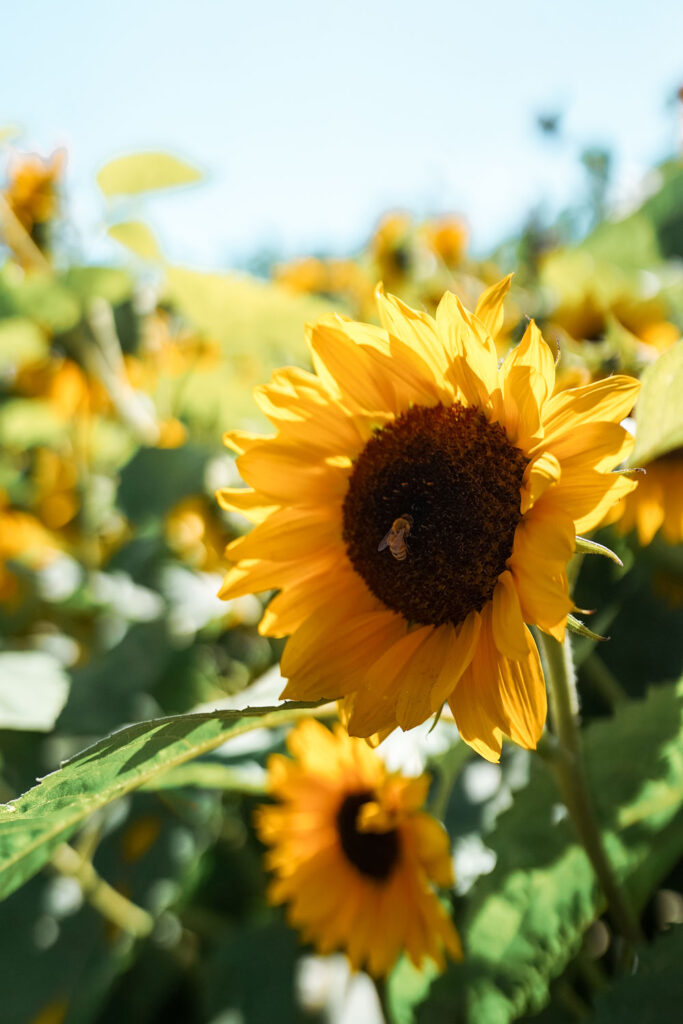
(414, 703)
(290, 532)
(509, 632)
(283, 474)
(489, 308)
(523, 695)
(463, 640)
(413, 327)
(540, 474)
(607, 400)
(343, 365)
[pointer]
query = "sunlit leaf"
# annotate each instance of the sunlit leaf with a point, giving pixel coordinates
(145, 172)
(21, 342)
(137, 237)
(659, 413)
(34, 824)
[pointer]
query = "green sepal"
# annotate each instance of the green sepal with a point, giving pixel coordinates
(576, 626)
(591, 547)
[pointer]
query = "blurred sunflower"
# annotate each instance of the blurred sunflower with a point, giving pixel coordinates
(656, 503)
(446, 237)
(32, 191)
(23, 539)
(354, 857)
(417, 506)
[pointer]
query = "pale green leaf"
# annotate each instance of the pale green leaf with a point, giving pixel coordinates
(145, 172)
(33, 690)
(138, 238)
(21, 342)
(260, 326)
(659, 413)
(34, 824)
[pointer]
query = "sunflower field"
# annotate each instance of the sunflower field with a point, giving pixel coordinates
(341, 673)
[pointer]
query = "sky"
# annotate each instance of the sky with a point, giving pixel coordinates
(308, 119)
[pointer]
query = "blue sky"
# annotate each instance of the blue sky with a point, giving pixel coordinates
(309, 119)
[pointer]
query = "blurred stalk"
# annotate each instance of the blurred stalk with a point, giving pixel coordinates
(111, 904)
(19, 241)
(569, 772)
(104, 360)
(601, 679)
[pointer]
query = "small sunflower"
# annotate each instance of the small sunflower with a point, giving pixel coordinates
(354, 857)
(417, 506)
(32, 189)
(656, 503)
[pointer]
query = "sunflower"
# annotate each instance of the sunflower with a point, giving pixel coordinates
(354, 857)
(657, 502)
(417, 506)
(32, 189)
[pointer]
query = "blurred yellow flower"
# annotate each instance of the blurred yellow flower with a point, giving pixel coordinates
(417, 506)
(23, 539)
(391, 248)
(194, 533)
(68, 389)
(31, 191)
(657, 502)
(56, 479)
(354, 857)
(446, 237)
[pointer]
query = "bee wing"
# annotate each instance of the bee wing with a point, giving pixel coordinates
(384, 543)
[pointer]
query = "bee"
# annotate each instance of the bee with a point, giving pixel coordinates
(395, 539)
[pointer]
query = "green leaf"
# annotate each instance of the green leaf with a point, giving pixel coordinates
(260, 327)
(653, 994)
(145, 172)
(137, 237)
(39, 297)
(630, 243)
(21, 342)
(527, 917)
(28, 421)
(33, 690)
(110, 283)
(155, 479)
(34, 824)
(235, 976)
(660, 408)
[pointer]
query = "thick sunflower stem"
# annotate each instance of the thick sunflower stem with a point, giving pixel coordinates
(569, 771)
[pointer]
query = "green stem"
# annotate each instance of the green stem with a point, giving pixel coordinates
(599, 676)
(102, 896)
(569, 771)
(383, 996)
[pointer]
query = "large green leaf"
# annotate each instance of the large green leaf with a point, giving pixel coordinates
(145, 172)
(653, 994)
(526, 919)
(259, 325)
(34, 824)
(660, 408)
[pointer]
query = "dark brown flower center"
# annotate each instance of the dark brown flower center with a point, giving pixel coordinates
(456, 480)
(374, 854)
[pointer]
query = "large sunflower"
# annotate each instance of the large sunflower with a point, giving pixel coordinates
(354, 857)
(415, 423)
